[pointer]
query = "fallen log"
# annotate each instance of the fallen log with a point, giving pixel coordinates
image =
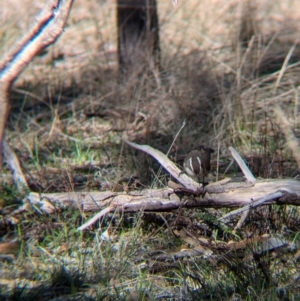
(287, 192)
(222, 194)
(167, 199)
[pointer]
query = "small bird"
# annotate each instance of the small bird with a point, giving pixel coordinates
(197, 162)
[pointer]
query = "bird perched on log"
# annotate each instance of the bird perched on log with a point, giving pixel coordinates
(197, 162)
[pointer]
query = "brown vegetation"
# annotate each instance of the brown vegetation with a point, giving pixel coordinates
(231, 69)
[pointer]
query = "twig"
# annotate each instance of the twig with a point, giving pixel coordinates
(246, 171)
(182, 178)
(241, 220)
(14, 165)
(175, 138)
(284, 66)
(94, 218)
(250, 178)
(269, 197)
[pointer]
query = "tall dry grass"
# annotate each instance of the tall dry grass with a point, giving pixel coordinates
(221, 63)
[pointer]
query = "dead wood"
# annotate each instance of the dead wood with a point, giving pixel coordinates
(14, 165)
(167, 199)
(248, 174)
(222, 194)
(250, 178)
(167, 164)
(218, 251)
(47, 29)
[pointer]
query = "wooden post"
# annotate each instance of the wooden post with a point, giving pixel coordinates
(138, 35)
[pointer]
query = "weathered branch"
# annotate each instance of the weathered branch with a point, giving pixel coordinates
(47, 29)
(222, 194)
(257, 203)
(166, 163)
(14, 164)
(250, 178)
(246, 171)
(167, 199)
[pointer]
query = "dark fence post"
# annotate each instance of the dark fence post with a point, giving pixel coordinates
(138, 35)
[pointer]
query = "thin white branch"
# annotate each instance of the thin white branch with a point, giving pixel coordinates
(163, 160)
(94, 218)
(269, 197)
(246, 171)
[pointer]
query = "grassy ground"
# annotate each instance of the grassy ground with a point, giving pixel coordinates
(223, 71)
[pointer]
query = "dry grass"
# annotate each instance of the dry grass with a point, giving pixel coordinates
(224, 70)
(222, 87)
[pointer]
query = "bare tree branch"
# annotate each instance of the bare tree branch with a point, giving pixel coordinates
(279, 191)
(269, 197)
(246, 171)
(47, 29)
(166, 163)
